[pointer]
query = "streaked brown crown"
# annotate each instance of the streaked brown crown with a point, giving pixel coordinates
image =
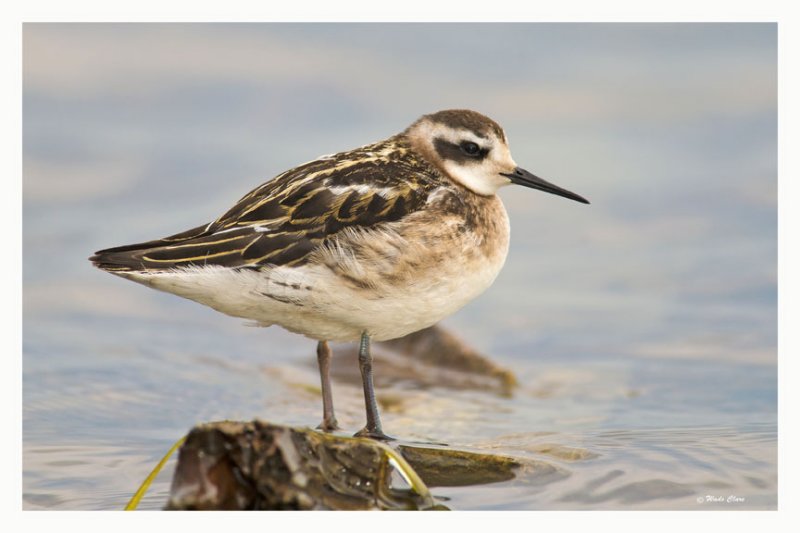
(467, 119)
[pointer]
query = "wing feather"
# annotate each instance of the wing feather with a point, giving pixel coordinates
(283, 221)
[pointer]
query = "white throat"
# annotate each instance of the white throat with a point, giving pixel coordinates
(475, 178)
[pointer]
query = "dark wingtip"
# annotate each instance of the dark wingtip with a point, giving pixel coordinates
(98, 257)
(110, 262)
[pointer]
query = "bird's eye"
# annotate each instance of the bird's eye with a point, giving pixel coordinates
(470, 148)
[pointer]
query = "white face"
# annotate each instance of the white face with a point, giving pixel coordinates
(473, 161)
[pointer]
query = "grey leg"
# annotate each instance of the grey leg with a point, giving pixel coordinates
(324, 360)
(373, 428)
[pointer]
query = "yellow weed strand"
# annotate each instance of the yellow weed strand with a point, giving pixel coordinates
(137, 497)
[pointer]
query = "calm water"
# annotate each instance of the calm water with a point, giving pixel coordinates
(642, 328)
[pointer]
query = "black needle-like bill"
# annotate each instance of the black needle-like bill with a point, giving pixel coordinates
(520, 176)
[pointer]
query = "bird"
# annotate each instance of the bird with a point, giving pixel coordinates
(369, 244)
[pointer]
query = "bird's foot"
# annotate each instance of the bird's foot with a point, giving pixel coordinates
(328, 425)
(374, 433)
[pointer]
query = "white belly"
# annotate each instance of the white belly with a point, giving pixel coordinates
(312, 301)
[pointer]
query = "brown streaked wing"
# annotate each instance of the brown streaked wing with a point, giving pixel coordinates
(283, 221)
(219, 248)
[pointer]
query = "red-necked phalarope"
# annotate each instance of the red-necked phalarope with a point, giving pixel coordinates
(373, 243)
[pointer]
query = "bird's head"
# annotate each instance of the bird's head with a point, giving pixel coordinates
(472, 150)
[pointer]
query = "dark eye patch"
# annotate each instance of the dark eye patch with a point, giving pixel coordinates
(465, 152)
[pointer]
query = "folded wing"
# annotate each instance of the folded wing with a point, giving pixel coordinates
(285, 220)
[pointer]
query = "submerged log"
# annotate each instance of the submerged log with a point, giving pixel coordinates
(438, 347)
(440, 359)
(257, 465)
